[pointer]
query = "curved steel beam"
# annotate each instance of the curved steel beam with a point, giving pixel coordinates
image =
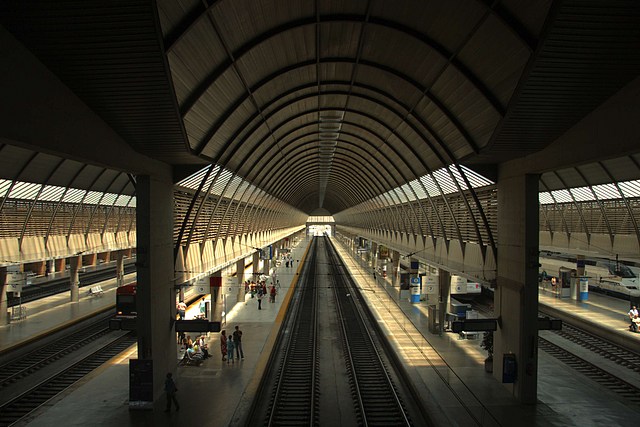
(59, 203)
(603, 212)
(448, 56)
(35, 201)
(409, 80)
(577, 205)
(632, 217)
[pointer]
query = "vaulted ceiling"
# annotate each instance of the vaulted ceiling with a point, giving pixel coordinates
(326, 104)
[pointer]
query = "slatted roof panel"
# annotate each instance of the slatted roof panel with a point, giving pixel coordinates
(110, 55)
(250, 76)
(588, 52)
(249, 83)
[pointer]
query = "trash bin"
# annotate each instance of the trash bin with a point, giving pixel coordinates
(432, 319)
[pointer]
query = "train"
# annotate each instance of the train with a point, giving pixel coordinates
(605, 276)
(126, 307)
(126, 301)
(127, 310)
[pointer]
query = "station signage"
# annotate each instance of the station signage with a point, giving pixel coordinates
(203, 286)
(430, 285)
(16, 281)
(458, 285)
(230, 283)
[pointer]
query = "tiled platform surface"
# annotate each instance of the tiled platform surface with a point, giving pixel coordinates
(446, 370)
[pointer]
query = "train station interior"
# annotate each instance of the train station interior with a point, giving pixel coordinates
(446, 148)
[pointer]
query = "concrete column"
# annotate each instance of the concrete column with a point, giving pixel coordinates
(256, 266)
(104, 256)
(395, 269)
(89, 260)
(217, 287)
(374, 255)
(120, 268)
(516, 296)
(155, 261)
(38, 267)
(240, 277)
(579, 265)
(444, 299)
(76, 263)
(61, 264)
(4, 304)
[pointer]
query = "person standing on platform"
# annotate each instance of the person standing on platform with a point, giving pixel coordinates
(272, 293)
(223, 344)
(230, 349)
(259, 300)
(237, 337)
(170, 389)
(203, 308)
(182, 308)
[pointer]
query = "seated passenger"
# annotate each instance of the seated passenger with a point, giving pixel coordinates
(203, 347)
(634, 318)
(192, 354)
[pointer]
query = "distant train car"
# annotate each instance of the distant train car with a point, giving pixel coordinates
(604, 276)
(473, 288)
(126, 300)
(126, 296)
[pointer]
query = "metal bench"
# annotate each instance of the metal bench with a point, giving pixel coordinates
(96, 291)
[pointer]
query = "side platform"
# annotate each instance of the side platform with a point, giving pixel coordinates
(448, 372)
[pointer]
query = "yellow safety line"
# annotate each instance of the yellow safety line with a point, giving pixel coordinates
(265, 354)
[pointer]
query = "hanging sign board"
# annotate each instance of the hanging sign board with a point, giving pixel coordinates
(458, 285)
(15, 281)
(202, 286)
(430, 285)
(230, 283)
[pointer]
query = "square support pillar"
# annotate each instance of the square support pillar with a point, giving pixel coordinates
(155, 261)
(4, 302)
(240, 277)
(74, 278)
(61, 264)
(516, 296)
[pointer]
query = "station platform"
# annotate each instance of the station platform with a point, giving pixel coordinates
(447, 370)
(47, 315)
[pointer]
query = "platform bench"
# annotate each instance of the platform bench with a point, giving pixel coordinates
(96, 291)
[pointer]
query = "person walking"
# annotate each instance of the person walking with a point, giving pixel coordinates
(170, 389)
(230, 349)
(259, 300)
(223, 344)
(182, 308)
(237, 338)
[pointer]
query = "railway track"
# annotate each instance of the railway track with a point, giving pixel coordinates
(294, 398)
(34, 292)
(617, 354)
(28, 401)
(599, 345)
(588, 369)
(362, 390)
(374, 393)
(27, 364)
